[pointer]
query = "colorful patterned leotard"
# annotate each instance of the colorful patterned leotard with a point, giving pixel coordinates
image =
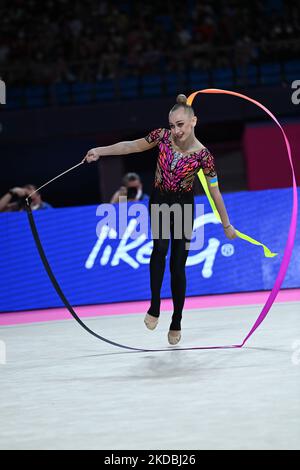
(176, 171)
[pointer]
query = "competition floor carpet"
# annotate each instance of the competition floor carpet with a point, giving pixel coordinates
(63, 389)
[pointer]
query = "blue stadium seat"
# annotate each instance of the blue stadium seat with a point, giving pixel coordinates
(247, 76)
(292, 70)
(223, 77)
(82, 93)
(14, 98)
(105, 90)
(175, 83)
(270, 74)
(63, 93)
(198, 79)
(36, 96)
(129, 87)
(171, 84)
(152, 85)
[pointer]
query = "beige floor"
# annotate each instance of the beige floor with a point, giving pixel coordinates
(63, 389)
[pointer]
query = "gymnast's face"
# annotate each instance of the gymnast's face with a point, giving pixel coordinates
(182, 125)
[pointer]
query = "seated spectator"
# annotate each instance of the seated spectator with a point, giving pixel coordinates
(13, 200)
(132, 188)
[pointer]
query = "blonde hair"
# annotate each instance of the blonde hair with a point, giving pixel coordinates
(181, 102)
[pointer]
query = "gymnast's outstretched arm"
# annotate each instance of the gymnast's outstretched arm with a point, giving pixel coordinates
(121, 148)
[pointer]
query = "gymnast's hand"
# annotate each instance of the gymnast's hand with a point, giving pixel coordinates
(92, 156)
(230, 232)
(20, 192)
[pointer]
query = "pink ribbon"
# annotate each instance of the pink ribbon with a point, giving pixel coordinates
(292, 230)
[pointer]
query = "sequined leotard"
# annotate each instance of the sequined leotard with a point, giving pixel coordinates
(175, 172)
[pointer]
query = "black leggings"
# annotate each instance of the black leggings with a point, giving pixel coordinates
(179, 249)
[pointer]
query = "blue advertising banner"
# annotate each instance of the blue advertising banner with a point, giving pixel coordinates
(95, 267)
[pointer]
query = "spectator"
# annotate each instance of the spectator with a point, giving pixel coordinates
(132, 188)
(13, 200)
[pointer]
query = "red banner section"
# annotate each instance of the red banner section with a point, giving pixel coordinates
(265, 154)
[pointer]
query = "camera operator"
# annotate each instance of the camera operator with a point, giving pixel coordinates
(14, 199)
(131, 188)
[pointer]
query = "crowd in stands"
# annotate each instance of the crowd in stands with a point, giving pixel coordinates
(86, 40)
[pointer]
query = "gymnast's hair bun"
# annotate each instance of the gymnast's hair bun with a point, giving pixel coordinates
(181, 99)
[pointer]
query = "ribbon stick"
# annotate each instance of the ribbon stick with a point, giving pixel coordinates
(53, 179)
(293, 224)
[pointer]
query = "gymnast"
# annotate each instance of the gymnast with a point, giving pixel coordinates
(181, 156)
